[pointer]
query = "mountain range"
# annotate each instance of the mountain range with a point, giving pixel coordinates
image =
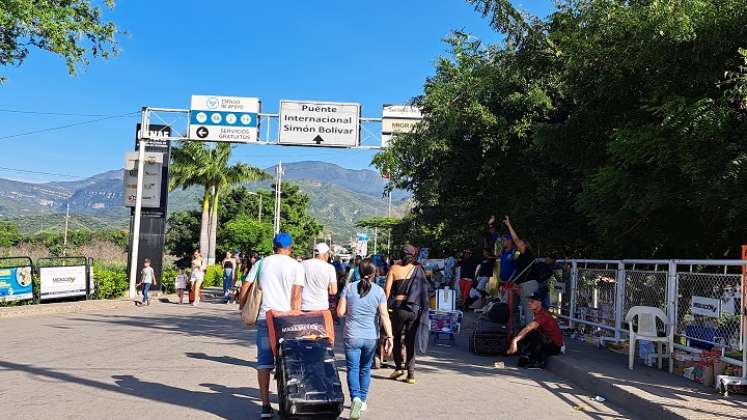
(339, 198)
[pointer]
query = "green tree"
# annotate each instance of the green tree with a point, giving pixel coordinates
(72, 29)
(183, 235)
(613, 128)
(247, 233)
(195, 163)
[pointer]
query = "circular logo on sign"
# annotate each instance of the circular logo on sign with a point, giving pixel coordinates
(246, 119)
(216, 118)
(23, 276)
(212, 102)
(231, 119)
(201, 117)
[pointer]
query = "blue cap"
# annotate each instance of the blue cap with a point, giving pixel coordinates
(282, 240)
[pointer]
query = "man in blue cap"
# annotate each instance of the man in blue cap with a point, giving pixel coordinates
(281, 279)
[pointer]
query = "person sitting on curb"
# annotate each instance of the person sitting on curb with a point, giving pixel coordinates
(539, 339)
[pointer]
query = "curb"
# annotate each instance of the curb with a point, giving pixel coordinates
(631, 402)
(68, 307)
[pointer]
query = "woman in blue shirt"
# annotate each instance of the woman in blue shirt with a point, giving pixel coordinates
(364, 302)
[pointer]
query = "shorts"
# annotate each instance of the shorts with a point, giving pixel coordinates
(265, 358)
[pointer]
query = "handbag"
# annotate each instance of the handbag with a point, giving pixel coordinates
(250, 311)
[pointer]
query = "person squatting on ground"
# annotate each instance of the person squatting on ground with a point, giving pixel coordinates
(363, 304)
(406, 282)
(466, 271)
(147, 278)
(281, 279)
(320, 281)
(539, 339)
(229, 266)
(198, 275)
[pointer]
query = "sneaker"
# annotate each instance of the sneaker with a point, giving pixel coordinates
(411, 380)
(536, 365)
(396, 374)
(267, 412)
(364, 406)
(355, 409)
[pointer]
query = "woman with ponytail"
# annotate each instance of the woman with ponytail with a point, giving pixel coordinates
(363, 304)
(406, 282)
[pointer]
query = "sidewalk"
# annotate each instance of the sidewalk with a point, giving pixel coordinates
(644, 392)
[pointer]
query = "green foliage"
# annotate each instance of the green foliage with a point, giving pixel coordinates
(213, 276)
(72, 29)
(168, 279)
(9, 235)
(247, 233)
(611, 129)
(111, 282)
(183, 236)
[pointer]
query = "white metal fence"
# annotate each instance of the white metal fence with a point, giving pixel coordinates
(702, 298)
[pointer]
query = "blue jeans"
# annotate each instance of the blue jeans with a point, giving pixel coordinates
(146, 289)
(359, 354)
(265, 358)
(227, 282)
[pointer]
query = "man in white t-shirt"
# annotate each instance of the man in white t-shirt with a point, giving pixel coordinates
(281, 279)
(321, 280)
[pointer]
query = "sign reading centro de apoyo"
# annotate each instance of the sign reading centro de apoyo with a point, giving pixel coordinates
(398, 119)
(224, 118)
(313, 123)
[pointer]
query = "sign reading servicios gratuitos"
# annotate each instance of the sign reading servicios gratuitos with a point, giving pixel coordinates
(313, 123)
(224, 118)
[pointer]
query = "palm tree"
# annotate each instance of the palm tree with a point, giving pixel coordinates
(194, 163)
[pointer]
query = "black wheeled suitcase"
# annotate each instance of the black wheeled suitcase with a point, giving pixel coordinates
(489, 338)
(308, 383)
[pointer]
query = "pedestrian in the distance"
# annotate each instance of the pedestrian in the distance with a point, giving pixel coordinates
(407, 283)
(229, 265)
(181, 284)
(147, 277)
(363, 304)
(198, 275)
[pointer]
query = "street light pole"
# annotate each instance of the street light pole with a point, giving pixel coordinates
(279, 173)
(138, 201)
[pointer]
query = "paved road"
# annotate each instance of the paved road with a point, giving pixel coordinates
(171, 361)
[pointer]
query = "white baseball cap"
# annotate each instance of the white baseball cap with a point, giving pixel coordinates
(321, 248)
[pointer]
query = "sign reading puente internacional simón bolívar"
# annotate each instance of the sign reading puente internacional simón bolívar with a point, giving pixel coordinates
(314, 123)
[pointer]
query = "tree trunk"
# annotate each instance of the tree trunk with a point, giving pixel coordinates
(213, 226)
(204, 225)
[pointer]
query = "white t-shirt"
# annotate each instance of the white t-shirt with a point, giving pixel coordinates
(278, 276)
(319, 275)
(148, 275)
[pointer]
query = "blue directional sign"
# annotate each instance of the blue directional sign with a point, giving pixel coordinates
(224, 118)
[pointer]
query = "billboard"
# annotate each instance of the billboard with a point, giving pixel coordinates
(64, 281)
(15, 284)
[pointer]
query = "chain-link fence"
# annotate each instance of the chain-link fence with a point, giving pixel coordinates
(595, 295)
(645, 288)
(707, 310)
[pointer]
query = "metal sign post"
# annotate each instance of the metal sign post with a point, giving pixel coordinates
(138, 201)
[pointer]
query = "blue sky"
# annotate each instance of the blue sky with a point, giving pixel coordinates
(371, 52)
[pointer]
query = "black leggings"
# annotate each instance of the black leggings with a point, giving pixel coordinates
(405, 322)
(536, 347)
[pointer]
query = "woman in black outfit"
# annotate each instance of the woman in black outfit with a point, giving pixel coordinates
(406, 282)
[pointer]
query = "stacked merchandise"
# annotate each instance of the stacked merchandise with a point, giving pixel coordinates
(445, 320)
(306, 373)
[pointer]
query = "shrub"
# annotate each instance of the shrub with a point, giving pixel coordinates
(168, 279)
(213, 276)
(111, 282)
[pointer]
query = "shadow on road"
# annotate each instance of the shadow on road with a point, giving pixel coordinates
(222, 359)
(221, 401)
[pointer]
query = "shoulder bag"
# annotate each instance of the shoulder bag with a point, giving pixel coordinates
(250, 311)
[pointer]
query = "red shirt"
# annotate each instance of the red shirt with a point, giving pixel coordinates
(548, 327)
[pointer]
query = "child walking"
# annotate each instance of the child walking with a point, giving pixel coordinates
(147, 277)
(181, 284)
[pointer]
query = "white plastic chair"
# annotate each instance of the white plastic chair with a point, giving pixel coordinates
(646, 321)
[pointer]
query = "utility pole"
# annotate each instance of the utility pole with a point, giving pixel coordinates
(260, 208)
(64, 241)
(138, 201)
(278, 183)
